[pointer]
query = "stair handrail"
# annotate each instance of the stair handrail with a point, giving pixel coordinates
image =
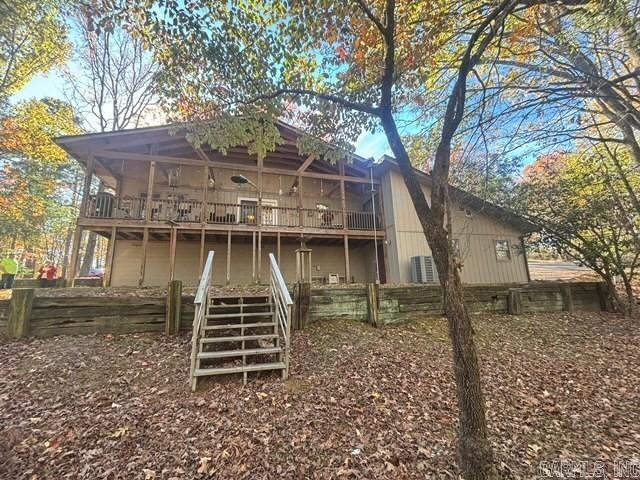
(282, 305)
(200, 303)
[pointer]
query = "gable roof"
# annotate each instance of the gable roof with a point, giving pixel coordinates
(466, 198)
(78, 146)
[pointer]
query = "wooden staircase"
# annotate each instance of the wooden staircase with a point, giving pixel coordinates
(240, 333)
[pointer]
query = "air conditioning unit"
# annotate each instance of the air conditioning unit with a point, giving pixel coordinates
(423, 270)
(334, 279)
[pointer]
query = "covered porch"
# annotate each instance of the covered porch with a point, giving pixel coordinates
(241, 256)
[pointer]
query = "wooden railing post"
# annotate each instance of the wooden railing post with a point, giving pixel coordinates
(174, 308)
(567, 297)
(301, 305)
(514, 302)
(20, 312)
(372, 303)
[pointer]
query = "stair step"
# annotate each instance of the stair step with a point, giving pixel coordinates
(238, 305)
(239, 353)
(202, 372)
(239, 338)
(236, 296)
(239, 325)
(235, 315)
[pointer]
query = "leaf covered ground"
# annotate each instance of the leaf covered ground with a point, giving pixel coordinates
(360, 403)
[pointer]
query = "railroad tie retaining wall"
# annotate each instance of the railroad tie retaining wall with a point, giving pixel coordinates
(400, 303)
(29, 315)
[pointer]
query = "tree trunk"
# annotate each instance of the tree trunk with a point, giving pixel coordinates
(632, 306)
(89, 253)
(614, 298)
(475, 455)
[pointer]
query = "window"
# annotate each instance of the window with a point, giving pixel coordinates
(503, 252)
(248, 211)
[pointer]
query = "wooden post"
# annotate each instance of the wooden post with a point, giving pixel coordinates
(514, 301)
(343, 196)
(204, 208)
(149, 207)
(174, 306)
(347, 269)
(110, 251)
(278, 247)
(201, 263)
(301, 305)
(567, 297)
(228, 257)
(20, 312)
(86, 188)
(253, 257)
(372, 303)
(143, 256)
(172, 253)
(259, 256)
(300, 204)
(75, 253)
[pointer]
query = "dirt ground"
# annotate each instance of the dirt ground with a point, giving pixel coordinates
(360, 403)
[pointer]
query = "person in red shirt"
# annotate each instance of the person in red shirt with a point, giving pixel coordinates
(47, 275)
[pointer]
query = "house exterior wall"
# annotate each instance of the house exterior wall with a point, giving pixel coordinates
(325, 260)
(275, 187)
(476, 235)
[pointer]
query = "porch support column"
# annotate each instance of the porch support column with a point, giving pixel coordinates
(172, 253)
(143, 257)
(149, 202)
(75, 253)
(278, 248)
(201, 262)
(259, 256)
(204, 208)
(110, 251)
(347, 269)
(253, 257)
(300, 213)
(228, 257)
(86, 187)
(343, 196)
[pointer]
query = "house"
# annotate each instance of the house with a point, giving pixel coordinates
(166, 203)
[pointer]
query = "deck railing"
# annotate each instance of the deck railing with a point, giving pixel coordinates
(192, 211)
(282, 305)
(200, 302)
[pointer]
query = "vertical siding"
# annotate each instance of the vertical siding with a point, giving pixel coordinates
(326, 259)
(275, 187)
(476, 235)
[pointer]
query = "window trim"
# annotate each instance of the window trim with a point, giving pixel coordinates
(509, 257)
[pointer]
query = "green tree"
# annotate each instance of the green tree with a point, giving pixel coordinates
(36, 177)
(33, 39)
(586, 211)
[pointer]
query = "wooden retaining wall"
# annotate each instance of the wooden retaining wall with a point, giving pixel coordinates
(41, 316)
(4, 315)
(29, 315)
(400, 303)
